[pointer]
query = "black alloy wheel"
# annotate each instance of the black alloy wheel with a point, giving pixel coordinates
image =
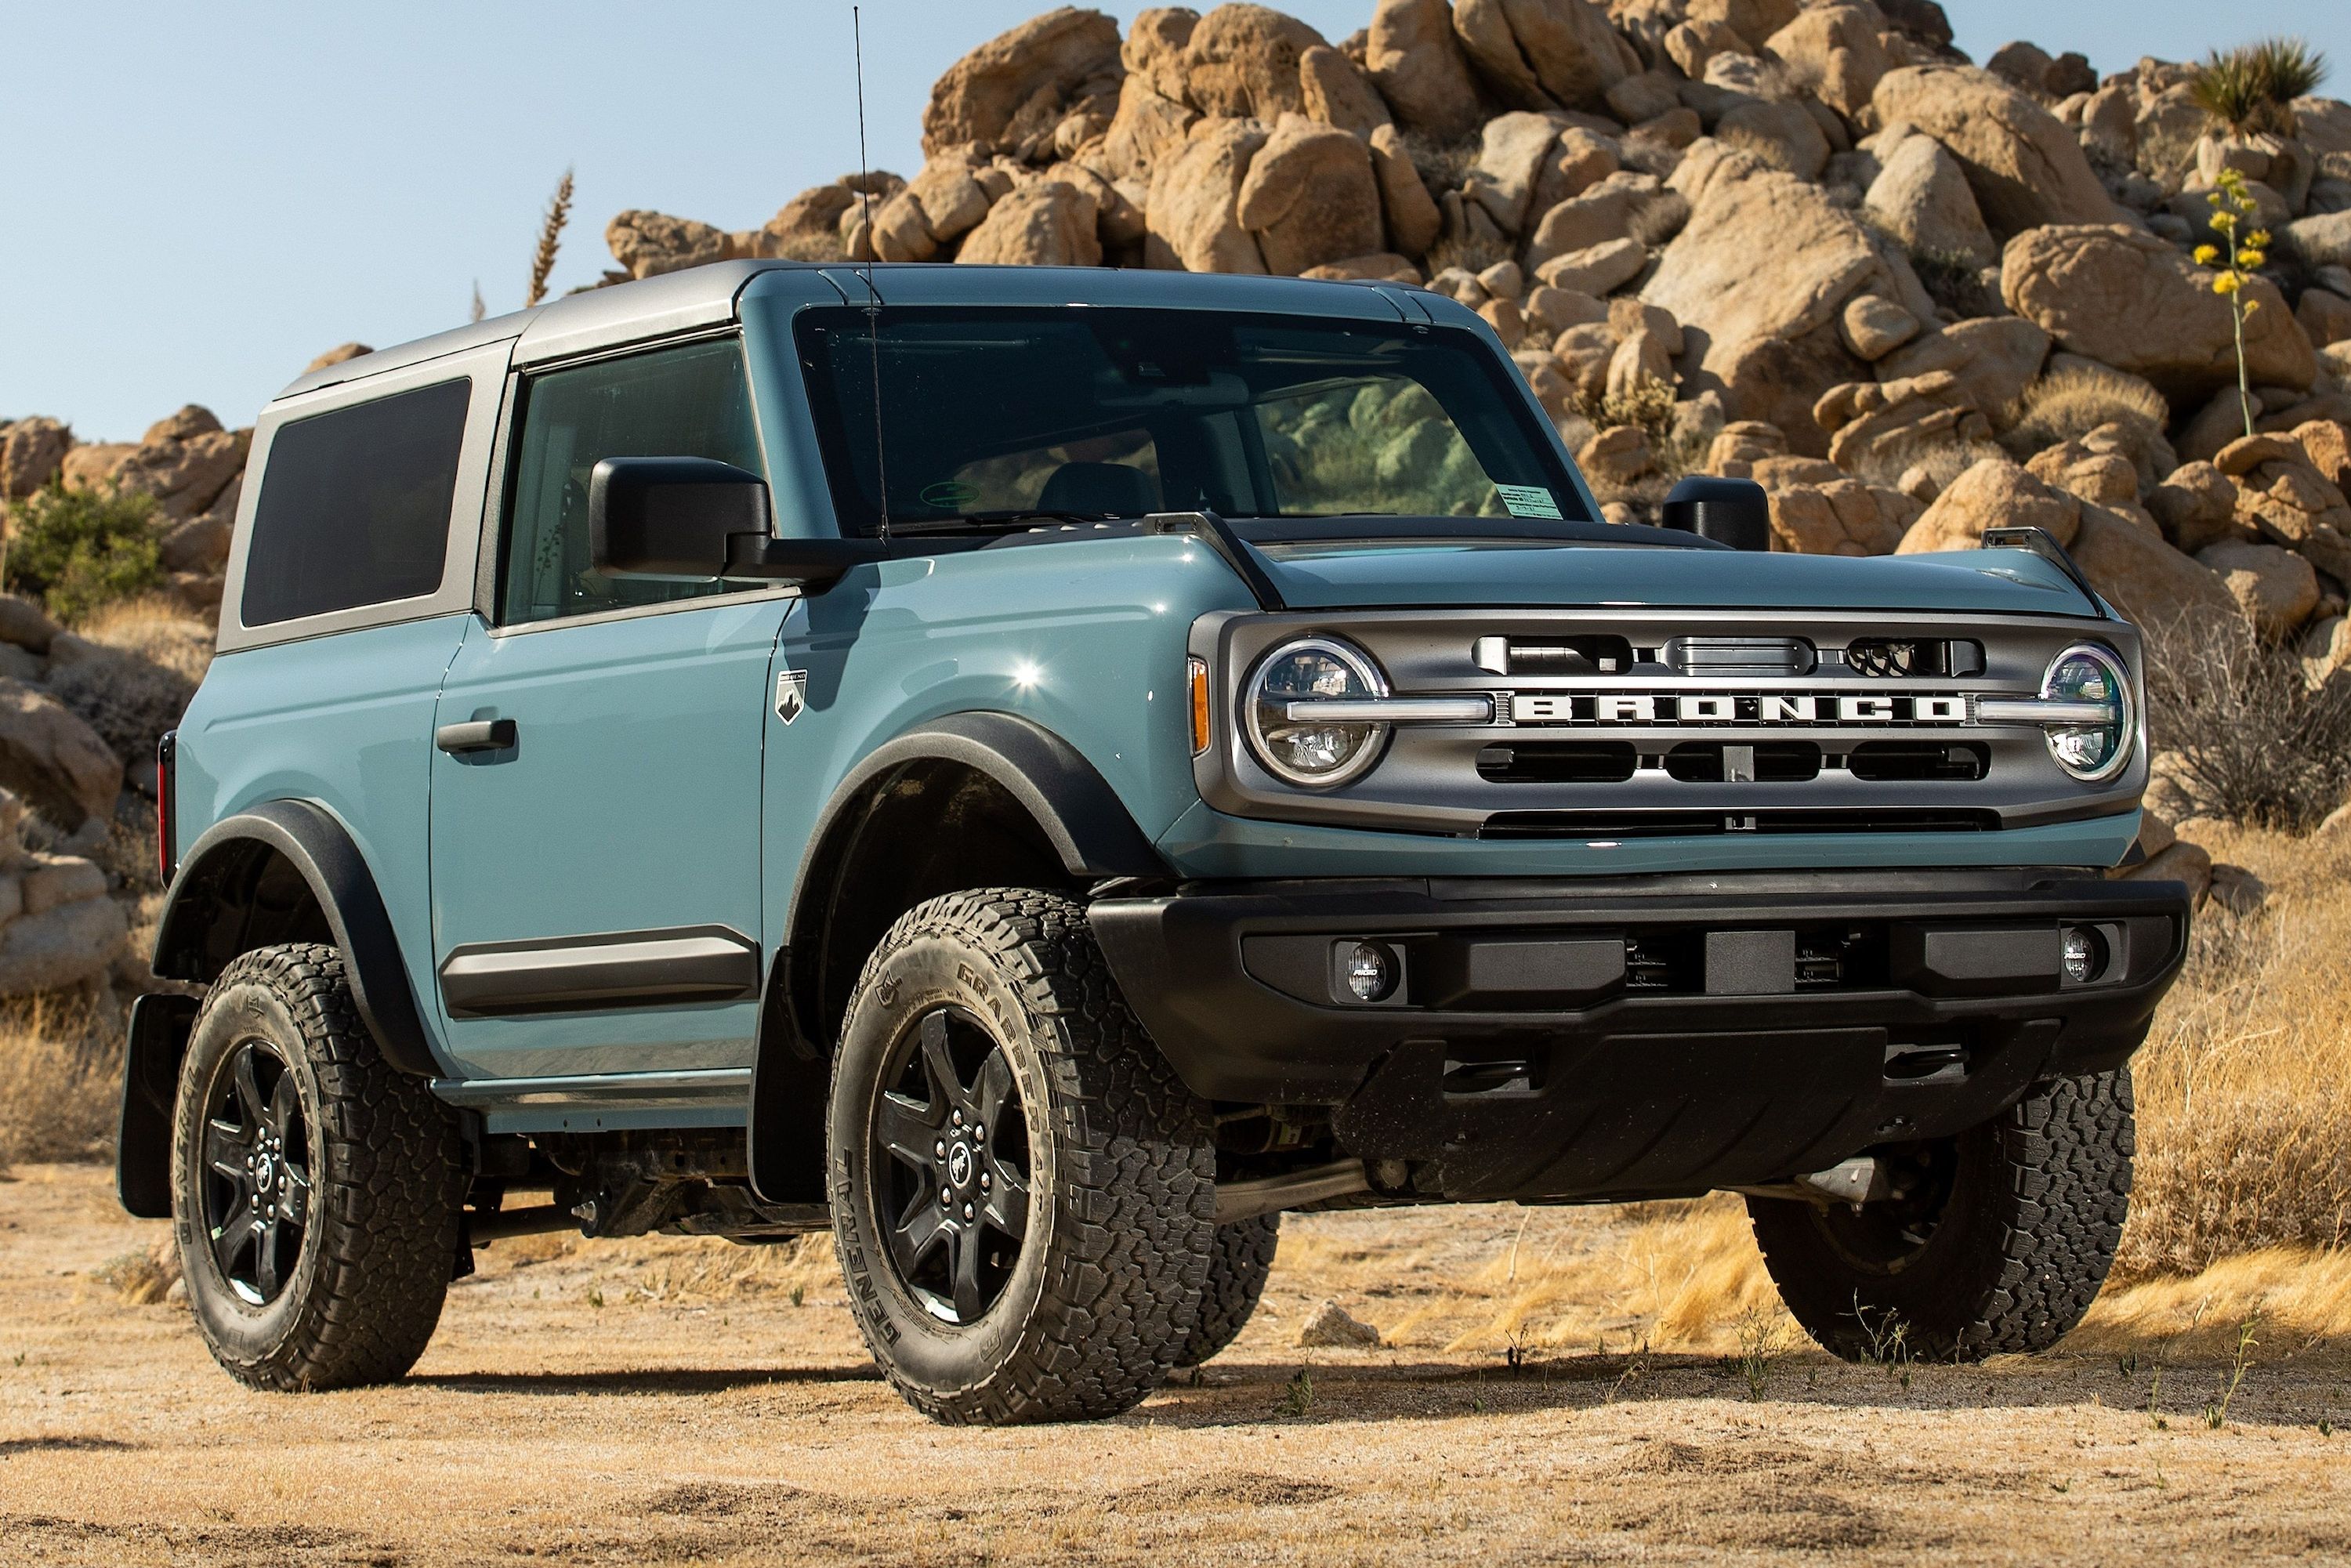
(951, 1143)
(258, 1192)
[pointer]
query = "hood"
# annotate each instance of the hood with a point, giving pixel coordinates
(1389, 575)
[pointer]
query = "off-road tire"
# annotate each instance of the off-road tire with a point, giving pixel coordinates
(2036, 1209)
(1121, 1181)
(386, 1174)
(1237, 1274)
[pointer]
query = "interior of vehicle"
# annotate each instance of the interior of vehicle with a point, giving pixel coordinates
(1002, 415)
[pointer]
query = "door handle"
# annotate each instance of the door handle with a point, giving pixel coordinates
(480, 735)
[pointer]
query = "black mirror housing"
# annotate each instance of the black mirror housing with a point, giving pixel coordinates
(1734, 512)
(670, 517)
(694, 519)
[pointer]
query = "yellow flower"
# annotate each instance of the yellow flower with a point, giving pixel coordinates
(2251, 257)
(2225, 222)
(2227, 283)
(2258, 237)
(2206, 254)
(2215, 198)
(2251, 306)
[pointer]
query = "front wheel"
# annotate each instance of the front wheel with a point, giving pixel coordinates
(1237, 1269)
(316, 1189)
(1997, 1239)
(1023, 1192)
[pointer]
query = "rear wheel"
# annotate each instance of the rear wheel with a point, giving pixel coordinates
(1023, 1192)
(1238, 1269)
(1995, 1240)
(316, 1190)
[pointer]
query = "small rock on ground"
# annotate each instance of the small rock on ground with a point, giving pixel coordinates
(1330, 1326)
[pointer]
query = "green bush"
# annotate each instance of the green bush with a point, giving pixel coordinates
(2252, 89)
(78, 550)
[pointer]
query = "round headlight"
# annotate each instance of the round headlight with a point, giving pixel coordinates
(2085, 674)
(1315, 752)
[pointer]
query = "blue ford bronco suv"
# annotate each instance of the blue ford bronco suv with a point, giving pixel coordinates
(1039, 772)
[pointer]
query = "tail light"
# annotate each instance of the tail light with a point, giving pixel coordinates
(167, 834)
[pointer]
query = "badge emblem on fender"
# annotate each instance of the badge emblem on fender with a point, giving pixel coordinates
(791, 694)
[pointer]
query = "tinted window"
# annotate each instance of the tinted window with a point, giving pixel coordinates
(1116, 413)
(354, 507)
(686, 402)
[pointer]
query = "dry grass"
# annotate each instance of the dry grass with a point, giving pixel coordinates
(2245, 1131)
(155, 628)
(2079, 399)
(58, 1085)
(550, 239)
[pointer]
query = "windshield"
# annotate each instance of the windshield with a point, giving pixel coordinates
(999, 415)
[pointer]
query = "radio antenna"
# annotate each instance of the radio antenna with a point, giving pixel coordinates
(873, 298)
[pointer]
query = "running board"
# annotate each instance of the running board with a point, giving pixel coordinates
(1239, 1200)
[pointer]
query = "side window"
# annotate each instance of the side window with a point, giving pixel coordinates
(687, 402)
(354, 505)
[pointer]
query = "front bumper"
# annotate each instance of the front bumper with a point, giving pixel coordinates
(1645, 1035)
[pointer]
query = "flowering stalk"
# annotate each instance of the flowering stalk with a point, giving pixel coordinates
(2232, 206)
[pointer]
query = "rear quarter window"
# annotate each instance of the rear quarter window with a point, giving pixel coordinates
(354, 505)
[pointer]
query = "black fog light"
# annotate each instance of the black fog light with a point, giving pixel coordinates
(1370, 970)
(2086, 954)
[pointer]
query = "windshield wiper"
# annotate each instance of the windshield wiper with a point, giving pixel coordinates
(1014, 518)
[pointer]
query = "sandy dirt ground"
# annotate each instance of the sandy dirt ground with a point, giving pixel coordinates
(682, 1401)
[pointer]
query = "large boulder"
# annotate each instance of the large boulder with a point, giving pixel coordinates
(2026, 168)
(1515, 153)
(1995, 357)
(1023, 80)
(937, 207)
(32, 451)
(1617, 207)
(1049, 224)
(2150, 582)
(2288, 500)
(1877, 426)
(1337, 93)
(53, 759)
(1843, 516)
(1193, 224)
(1993, 494)
(2276, 588)
(1836, 54)
(1921, 196)
(184, 462)
(1412, 214)
(1544, 54)
(2125, 297)
(1310, 197)
(1243, 61)
(649, 244)
(1416, 59)
(2194, 506)
(1764, 254)
(1776, 381)
(808, 228)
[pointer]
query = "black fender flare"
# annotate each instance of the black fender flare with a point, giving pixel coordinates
(1082, 817)
(188, 945)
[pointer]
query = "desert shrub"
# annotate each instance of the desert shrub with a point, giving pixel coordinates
(156, 629)
(1442, 165)
(78, 549)
(128, 701)
(1886, 463)
(2257, 743)
(1647, 403)
(2251, 88)
(1954, 280)
(2073, 402)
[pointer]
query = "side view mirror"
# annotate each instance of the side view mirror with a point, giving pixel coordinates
(1734, 512)
(695, 520)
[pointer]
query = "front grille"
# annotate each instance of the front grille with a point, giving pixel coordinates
(1682, 824)
(1559, 762)
(1739, 655)
(1768, 762)
(1892, 761)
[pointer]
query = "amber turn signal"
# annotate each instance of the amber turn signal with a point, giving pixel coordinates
(1199, 706)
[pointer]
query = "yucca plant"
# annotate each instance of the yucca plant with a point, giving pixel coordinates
(2233, 207)
(2251, 88)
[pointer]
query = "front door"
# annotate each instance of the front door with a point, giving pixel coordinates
(595, 784)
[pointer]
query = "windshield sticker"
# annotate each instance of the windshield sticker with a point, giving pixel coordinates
(1528, 501)
(950, 494)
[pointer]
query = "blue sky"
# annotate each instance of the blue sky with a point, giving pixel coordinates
(198, 198)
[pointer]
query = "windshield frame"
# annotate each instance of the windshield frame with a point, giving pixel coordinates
(1514, 417)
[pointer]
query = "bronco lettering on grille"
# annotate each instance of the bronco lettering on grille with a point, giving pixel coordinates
(1774, 708)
